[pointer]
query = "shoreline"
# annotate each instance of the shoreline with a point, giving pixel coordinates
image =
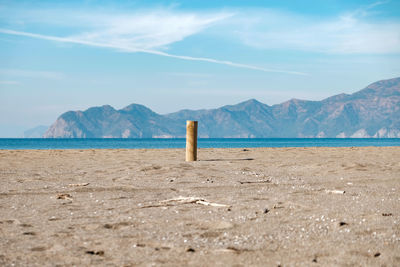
(199, 148)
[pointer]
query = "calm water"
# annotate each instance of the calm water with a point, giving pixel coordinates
(41, 143)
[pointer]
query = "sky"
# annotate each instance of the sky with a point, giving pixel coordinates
(57, 56)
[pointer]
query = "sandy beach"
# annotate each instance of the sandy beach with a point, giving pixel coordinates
(233, 207)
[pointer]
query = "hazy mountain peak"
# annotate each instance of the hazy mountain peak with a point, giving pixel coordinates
(246, 105)
(381, 88)
(137, 108)
(294, 101)
(335, 98)
(251, 101)
(103, 107)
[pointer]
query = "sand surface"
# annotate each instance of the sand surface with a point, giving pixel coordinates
(233, 207)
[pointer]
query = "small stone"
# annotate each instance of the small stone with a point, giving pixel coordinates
(29, 233)
(38, 249)
(25, 225)
(108, 226)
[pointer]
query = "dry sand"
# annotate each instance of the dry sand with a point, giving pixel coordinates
(249, 207)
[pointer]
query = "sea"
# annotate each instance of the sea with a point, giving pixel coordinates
(159, 143)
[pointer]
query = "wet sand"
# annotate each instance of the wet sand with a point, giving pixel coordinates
(233, 207)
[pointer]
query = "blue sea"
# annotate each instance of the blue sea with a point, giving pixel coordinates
(42, 143)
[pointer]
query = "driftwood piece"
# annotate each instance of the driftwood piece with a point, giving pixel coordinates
(255, 182)
(340, 192)
(185, 200)
(76, 185)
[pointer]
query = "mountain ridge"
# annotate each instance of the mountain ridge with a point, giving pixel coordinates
(371, 112)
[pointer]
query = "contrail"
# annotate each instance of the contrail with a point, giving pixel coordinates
(148, 51)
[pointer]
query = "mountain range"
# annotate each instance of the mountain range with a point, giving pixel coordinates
(36, 132)
(372, 112)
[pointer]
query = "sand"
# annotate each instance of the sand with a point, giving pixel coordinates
(233, 207)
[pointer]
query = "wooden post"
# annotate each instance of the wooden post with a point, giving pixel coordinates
(191, 140)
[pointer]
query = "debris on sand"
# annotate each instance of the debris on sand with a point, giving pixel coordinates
(81, 184)
(339, 192)
(93, 252)
(234, 250)
(64, 196)
(186, 200)
(195, 200)
(255, 182)
(29, 233)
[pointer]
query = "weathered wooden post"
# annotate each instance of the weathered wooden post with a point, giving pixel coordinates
(191, 140)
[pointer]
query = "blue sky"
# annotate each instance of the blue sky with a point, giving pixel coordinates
(171, 55)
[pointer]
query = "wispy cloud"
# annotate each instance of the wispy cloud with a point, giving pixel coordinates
(353, 32)
(134, 49)
(9, 82)
(150, 31)
(189, 74)
(50, 75)
(147, 30)
(367, 10)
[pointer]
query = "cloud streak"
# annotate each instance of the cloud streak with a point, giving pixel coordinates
(50, 75)
(9, 82)
(147, 30)
(128, 48)
(348, 33)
